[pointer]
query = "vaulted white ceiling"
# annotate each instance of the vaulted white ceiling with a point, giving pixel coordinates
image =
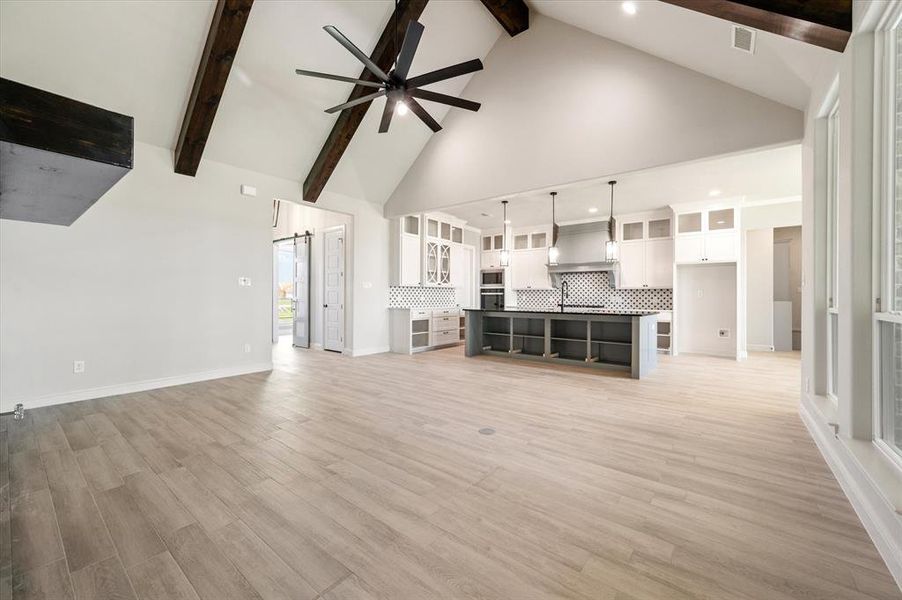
(140, 58)
(781, 69)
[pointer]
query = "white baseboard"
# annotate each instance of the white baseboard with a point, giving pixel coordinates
(137, 386)
(877, 515)
(760, 348)
(366, 351)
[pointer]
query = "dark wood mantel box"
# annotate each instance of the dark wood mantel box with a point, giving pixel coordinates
(58, 156)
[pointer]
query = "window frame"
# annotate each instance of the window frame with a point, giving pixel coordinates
(886, 314)
(832, 251)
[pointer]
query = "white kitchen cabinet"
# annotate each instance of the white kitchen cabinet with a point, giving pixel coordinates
(528, 269)
(659, 263)
(491, 260)
(419, 329)
(708, 247)
(411, 263)
(632, 264)
(406, 251)
(722, 247)
(689, 248)
(646, 264)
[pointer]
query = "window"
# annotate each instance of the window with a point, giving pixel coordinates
(832, 261)
(888, 355)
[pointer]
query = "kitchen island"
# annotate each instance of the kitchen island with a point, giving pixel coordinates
(600, 338)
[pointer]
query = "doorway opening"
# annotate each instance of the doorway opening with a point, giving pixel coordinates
(310, 298)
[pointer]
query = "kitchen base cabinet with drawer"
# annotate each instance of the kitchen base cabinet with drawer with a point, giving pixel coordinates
(419, 329)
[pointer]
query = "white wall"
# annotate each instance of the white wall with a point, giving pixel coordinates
(561, 105)
(143, 287)
(783, 214)
(759, 264)
(706, 302)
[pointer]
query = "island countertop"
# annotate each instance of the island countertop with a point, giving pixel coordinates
(569, 310)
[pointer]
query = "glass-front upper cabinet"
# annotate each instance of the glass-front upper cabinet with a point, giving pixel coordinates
(486, 243)
(412, 224)
(432, 228)
(689, 222)
(659, 228)
(446, 231)
(539, 240)
(521, 241)
(720, 219)
(457, 235)
(633, 231)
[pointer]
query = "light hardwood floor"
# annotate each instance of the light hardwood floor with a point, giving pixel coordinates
(356, 479)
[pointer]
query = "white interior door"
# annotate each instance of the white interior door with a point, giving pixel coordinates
(334, 289)
(301, 313)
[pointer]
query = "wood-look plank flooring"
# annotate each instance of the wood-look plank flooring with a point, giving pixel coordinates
(358, 479)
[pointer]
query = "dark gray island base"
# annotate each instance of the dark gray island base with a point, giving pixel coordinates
(603, 339)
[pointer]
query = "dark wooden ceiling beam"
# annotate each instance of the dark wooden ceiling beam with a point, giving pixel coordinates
(349, 120)
(824, 23)
(512, 14)
(226, 29)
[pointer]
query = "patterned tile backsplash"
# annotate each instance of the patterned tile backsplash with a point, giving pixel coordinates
(593, 288)
(417, 296)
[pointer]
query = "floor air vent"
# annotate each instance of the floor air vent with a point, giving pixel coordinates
(744, 39)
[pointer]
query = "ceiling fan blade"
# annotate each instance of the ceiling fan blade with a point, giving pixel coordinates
(408, 49)
(444, 99)
(425, 117)
(372, 84)
(387, 115)
(457, 70)
(353, 103)
(349, 45)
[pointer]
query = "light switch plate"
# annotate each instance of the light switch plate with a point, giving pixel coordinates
(78, 366)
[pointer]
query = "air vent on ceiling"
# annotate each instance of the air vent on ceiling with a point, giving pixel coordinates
(744, 39)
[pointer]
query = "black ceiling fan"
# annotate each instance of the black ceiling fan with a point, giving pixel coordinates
(395, 85)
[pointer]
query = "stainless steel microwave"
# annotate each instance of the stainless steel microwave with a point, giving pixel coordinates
(491, 278)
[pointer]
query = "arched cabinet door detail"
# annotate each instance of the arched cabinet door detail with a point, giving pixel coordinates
(445, 264)
(432, 260)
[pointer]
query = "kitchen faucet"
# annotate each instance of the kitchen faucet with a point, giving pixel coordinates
(565, 293)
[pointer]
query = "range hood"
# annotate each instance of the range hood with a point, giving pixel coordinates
(581, 250)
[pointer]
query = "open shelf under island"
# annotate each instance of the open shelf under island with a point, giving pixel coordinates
(623, 340)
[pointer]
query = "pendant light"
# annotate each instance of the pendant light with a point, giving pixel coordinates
(553, 252)
(612, 246)
(505, 253)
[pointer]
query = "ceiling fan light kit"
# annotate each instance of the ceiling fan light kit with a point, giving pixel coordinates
(400, 91)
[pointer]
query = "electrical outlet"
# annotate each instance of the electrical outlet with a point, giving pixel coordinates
(78, 366)
(616, 298)
(700, 293)
(723, 333)
(244, 281)
(247, 348)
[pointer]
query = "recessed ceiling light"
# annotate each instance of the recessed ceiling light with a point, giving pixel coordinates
(593, 210)
(714, 192)
(629, 8)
